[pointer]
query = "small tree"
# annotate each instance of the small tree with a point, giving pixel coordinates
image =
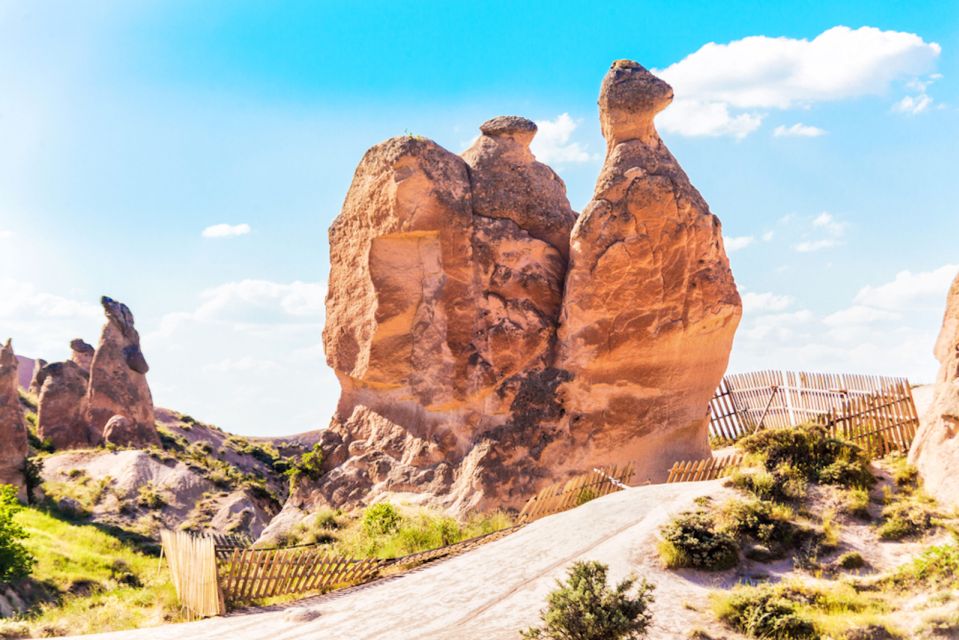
(586, 608)
(15, 561)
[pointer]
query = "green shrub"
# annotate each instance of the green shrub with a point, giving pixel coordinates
(586, 608)
(936, 568)
(856, 503)
(850, 560)
(903, 519)
(381, 518)
(15, 561)
(810, 450)
(309, 465)
(693, 539)
(764, 522)
(149, 497)
(765, 612)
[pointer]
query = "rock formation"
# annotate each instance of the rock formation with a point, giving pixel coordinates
(935, 450)
(650, 306)
(82, 353)
(36, 380)
(61, 412)
(118, 385)
(468, 375)
(13, 429)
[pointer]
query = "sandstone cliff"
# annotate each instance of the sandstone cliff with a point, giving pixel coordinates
(935, 451)
(118, 385)
(650, 306)
(13, 430)
(487, 342)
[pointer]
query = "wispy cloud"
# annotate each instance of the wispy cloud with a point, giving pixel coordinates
(735, 243)
(920, 101)
(727, 89)
(798, 130)
(552, 142)
(226, 230)
(826, 232)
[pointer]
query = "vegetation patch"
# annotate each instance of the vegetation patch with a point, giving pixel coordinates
(585, 607)
(794, 611)
(384, 530)
(809, 451)
(694, 540)
(98, 581)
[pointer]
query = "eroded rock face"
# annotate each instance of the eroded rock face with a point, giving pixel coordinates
(13, 429)
(935, 451)
(36, 380)
(61, 414)
(118, 385)
(82, 353)
(650, 306)
(120, 431)
(487, 343)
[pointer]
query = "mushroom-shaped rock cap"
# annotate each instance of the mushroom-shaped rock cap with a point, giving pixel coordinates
(629, 99)
(516, 128)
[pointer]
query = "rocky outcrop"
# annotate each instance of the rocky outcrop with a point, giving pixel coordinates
(61, 413)
(13, 429)
(650, 306)
(487, 342)
(118, 385)
(82, 353)
(935, 450)
(120, 431)
(36, 379)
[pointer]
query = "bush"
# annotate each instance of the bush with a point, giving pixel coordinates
(812, 452)
(381, 518)
(904, 519)
(15, 561)
(856, 503)
(761, 521)
(309, 465)
(694, 540)
(850, 560)
(586, 608)
(150, 498)
(765, 612)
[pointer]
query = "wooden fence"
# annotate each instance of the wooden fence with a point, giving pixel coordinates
(880, 424)
(746, 401)
(706, 469)
(252, 574)
(562, 496)
(209, 578)
(193, 567)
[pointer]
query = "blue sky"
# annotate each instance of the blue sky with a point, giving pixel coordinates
(821, 134)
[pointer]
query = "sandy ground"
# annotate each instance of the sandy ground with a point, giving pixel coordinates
(496, 590)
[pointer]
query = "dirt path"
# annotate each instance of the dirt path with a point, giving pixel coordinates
(494, 591)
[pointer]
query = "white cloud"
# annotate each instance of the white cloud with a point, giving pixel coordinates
(5, 234)
(552, 142)
(760, 302)
(698, 118)
(42, 323)
(248, 356)
(921, 101)
(858, 315)
(798, 130)
(226, 230)
(826, 232)
(888, 328)
(735, 243)
(725, 89)
(910, 290)
(768, 236)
